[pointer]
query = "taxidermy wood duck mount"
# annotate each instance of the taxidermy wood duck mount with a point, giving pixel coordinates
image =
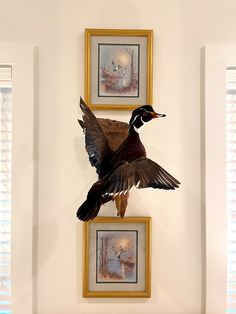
(119, 156)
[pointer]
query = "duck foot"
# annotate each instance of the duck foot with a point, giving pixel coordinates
(121, 204)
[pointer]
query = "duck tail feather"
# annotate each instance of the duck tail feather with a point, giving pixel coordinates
(89, 209)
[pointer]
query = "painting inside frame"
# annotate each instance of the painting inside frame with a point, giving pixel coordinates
(117, 256)
(118, 70)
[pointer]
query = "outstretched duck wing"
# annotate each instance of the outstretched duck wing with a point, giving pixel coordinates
(141, 173)
(96, 142)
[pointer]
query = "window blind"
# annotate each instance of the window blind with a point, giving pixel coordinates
(5, 187)
(231, 187)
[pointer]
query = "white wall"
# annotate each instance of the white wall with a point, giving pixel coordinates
(64, 174)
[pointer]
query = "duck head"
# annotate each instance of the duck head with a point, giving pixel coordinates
(142, 115)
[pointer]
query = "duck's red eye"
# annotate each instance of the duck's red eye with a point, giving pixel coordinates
(144, 113)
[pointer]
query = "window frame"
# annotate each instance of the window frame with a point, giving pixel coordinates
(216, 59)
(21, 58)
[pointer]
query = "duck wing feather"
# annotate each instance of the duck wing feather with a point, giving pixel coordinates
(96, 142)
(141, 173)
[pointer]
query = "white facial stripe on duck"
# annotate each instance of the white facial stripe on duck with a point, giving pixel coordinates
(138, 115)
(138, 126)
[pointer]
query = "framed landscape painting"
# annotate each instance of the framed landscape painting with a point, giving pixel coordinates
(117, 257)
(118, 68)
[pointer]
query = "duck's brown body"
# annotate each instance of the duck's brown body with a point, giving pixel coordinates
(130, 150)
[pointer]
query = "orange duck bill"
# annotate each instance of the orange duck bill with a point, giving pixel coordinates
(157, 115)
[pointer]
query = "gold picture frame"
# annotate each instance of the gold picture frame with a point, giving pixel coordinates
(118, 68)
(116, 260)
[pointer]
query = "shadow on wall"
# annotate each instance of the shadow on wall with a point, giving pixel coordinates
(48, 234)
